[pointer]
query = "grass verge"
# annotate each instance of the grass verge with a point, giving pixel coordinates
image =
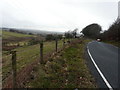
(113, 43)
(66, 70)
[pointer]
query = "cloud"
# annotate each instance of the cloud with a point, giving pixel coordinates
(57, 15)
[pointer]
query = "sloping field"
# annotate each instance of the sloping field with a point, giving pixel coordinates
(15, 39)
(7, 34)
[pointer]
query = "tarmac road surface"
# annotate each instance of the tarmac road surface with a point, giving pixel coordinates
(103, 60)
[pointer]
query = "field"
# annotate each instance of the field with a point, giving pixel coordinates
(7, 34)
(12, 40)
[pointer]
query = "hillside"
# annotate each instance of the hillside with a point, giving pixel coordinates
(7, 34)
(10, 39)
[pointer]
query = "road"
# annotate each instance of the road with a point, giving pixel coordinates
(103, 62)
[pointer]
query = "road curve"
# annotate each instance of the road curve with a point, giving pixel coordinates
(104, 58)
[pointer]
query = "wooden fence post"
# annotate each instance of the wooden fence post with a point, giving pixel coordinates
(14, 68)
(63, 42)
(41, 52)
(56, 45)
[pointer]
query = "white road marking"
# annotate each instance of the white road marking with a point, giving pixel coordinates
(103, 77)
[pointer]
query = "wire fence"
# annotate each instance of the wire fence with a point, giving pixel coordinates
(17, 65)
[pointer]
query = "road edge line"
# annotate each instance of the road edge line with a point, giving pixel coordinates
(103, 77)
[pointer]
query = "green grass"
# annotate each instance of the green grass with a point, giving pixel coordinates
(67, 70)
(26, 55)
(7, 34)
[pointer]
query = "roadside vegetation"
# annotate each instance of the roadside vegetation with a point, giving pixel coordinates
(117, 44)
(67, 69)
(110, 36)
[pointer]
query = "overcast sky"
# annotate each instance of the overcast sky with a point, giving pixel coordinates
(57, 15)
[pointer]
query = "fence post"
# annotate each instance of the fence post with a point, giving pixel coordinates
(56, 44)
(41, 52)
(14, 68)
(63, 42)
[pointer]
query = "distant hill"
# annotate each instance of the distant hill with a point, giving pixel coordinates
(28, 31)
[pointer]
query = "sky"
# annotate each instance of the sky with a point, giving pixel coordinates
(57, 15)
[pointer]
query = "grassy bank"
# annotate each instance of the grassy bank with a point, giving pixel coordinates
(117, 44)
(66, 70)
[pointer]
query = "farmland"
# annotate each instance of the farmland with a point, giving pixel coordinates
(14, 39)
(7, 34)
